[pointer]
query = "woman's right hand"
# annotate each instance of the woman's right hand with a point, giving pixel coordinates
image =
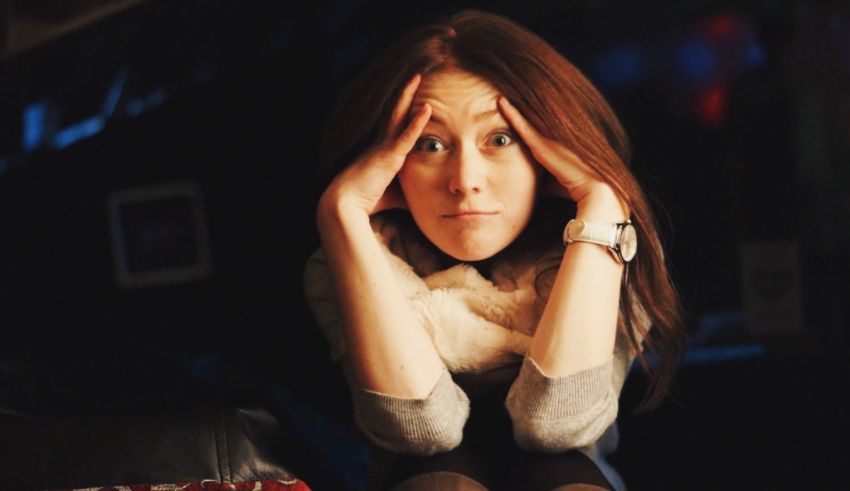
(366, 186)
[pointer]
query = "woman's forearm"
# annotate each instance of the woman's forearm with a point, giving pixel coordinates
(389, 350)
(578, 327)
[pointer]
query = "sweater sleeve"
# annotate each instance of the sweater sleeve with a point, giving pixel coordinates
(425, 426)
(555, 414)
(412, 426)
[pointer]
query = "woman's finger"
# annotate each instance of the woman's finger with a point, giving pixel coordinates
(561, 162)
(405, 142)
(540, 146)
(384, 163)
(402, 107)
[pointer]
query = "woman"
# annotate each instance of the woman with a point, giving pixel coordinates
(447, 285)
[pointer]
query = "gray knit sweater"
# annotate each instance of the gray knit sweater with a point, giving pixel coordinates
(549, 414)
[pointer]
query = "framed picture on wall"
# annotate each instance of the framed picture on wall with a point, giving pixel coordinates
(159, 235)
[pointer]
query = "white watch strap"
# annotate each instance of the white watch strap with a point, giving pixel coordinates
(601, 233)
(597, 233)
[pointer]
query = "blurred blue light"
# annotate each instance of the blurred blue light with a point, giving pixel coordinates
(710, 354)
(697, 62)
(113, 94)
(156, 98)
(754, 55)
(715, 354)
(620, 67)
(33, 127)
(134, 107)
(4, 166)
(78, 131)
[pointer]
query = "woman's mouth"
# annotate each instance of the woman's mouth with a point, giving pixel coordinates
(471, 215)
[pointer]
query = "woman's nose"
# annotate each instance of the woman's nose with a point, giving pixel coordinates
(467, 173)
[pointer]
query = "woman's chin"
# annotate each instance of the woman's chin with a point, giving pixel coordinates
(471, 253)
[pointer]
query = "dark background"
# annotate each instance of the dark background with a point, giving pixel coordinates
(739, 113)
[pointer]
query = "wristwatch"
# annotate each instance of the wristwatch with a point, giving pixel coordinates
(619, 238)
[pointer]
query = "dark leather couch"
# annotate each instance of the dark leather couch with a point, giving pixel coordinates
(76, 418)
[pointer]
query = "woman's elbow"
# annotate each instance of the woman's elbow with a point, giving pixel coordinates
(434, 446)
(424, 426)
(561, 435)
(425, 443)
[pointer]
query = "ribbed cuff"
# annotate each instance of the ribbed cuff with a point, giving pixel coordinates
(432, 419)
(548, 398)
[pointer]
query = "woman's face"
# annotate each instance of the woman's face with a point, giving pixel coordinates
(469, 183)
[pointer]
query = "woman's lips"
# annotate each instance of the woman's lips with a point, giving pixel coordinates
(471, 215)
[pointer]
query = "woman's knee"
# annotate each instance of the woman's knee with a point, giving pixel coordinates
(579, 487)
(442, 480)
(571, 470)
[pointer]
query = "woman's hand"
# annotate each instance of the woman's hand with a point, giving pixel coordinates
(572, 177)
(367, 186)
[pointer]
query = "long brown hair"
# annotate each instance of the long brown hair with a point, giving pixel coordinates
(562, 104)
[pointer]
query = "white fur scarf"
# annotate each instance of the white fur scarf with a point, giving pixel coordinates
(476, 324)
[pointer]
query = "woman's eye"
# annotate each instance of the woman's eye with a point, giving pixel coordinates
(502, 139)
(429, 145)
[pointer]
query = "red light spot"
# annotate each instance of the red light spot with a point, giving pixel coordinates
(711, 107)
(721, 27)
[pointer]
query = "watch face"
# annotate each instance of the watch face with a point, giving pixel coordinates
(628, 243)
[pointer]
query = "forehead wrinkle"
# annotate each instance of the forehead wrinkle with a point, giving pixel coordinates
(485, 115)
(478, 117)
(482, 117)
(450, 90)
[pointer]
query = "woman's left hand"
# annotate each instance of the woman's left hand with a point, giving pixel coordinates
(573, 178)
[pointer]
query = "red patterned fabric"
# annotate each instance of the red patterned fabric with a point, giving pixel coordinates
(269, 485)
